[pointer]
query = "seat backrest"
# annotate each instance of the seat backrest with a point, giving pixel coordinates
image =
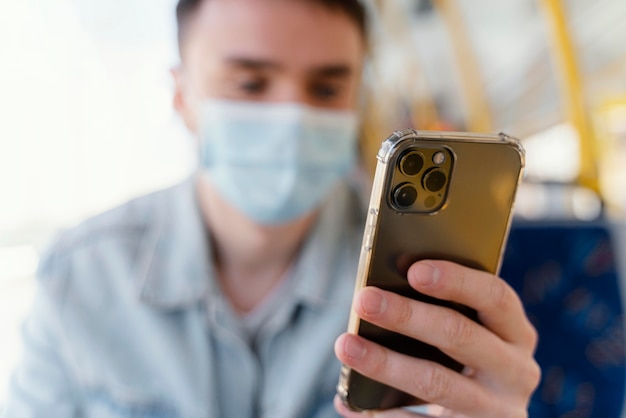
(567, 276)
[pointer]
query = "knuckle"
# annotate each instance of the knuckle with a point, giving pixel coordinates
(461, 277)
(527, 377)
(458, 331)
(530, 338)
(404, 313)
(533, 376)
(377, 363)
(533, 337)
(501, 295)
(433, 384)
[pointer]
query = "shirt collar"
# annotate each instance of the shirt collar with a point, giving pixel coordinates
(174, 265)
(176, 270)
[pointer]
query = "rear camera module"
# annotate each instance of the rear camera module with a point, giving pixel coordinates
(419, 178)
(411, 163)
(404, 195)
(434, 180)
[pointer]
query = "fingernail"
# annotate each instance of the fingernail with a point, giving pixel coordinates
(425, 274)
(373, 302)
(354, 348)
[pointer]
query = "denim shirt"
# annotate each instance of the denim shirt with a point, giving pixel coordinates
(129, 321)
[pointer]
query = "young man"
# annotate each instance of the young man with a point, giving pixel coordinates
(224, 296)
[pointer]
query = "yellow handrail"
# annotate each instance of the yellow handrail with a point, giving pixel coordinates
(477, 110)
(572, 92)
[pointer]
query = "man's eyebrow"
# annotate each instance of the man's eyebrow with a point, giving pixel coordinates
(331, 70)
(335, 70)
(252, 63)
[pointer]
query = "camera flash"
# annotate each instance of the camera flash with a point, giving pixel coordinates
(439, 158)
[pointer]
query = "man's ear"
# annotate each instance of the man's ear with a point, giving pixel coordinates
(181, 101)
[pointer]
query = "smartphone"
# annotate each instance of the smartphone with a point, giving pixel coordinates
(436, 195)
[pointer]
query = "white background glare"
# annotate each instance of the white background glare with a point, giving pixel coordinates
(86, 122)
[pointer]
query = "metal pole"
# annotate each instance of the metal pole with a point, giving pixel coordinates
(477, 110)
(573, 94)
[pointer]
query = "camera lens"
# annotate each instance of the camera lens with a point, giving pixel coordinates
(434, 180)
(411, 163)
(404, 195)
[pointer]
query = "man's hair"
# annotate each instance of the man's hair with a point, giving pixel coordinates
(352, 8)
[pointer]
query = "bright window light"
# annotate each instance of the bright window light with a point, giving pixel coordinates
(87, 123)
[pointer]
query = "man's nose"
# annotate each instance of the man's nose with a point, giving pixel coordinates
(293, 92)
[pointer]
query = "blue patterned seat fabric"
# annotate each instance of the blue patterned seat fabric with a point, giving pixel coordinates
(567, 276)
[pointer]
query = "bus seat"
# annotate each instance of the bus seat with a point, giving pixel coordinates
(567, 275)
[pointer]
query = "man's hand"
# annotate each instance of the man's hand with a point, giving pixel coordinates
(500, 373)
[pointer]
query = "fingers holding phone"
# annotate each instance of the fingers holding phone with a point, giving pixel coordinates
(500, 375)
(499, 307)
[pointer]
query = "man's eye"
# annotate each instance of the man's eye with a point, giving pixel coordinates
(325, 91)
(253, 86)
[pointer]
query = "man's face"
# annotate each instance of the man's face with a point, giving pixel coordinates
(269, 51)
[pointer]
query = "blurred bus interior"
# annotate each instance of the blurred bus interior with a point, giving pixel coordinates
(85, 91)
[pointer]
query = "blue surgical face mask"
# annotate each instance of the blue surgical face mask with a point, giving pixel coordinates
(275, 162)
